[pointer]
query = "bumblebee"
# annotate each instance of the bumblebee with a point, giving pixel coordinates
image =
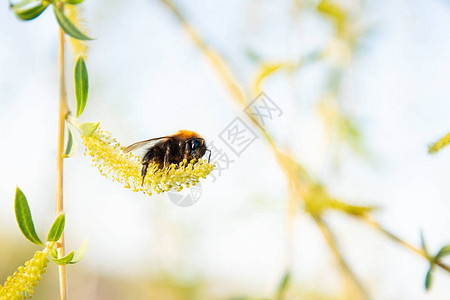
(167, 150)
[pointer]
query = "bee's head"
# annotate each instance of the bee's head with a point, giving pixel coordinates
(197, 147)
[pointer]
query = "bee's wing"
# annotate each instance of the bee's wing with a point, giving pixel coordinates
(141, 148)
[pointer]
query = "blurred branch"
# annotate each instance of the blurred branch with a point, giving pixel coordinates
(352, 282)
(395, 238)
(297, 176)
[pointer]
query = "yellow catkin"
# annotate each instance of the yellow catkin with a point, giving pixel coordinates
(443, 142)
(318, 201)
(74, 14)
(21, 284)
(107, 155)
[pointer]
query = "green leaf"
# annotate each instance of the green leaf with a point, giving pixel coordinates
(28, 11)
(428, 278)
(283, 284)
(57, 228)
(21, 3)
(24, 219)
(424, 246)
(81, 84)
(88, 128)
(443, 252)
(67, 26)
(79, 254)
(64, 260)
(71, 146)
(54, 253)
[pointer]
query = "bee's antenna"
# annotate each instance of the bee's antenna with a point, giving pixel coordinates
(209, 157)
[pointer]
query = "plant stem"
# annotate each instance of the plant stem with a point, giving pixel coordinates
(63, 111)
(395, 238)
(357, 290)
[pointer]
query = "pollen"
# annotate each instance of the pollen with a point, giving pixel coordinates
(108, 157)
(21, 284)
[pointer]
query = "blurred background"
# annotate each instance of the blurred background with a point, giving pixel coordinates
(363, 87)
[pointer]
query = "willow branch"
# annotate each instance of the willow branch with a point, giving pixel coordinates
(395, 238)
(230, 81)
(63, 111)
(353, 284)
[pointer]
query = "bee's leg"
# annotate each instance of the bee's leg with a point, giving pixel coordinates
(166, 156)
(145, 162)
(186, 151)
(144, 170)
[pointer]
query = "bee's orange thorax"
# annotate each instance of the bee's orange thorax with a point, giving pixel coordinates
(187, 134)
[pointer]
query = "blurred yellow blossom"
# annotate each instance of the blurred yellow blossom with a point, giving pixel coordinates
(444, 141)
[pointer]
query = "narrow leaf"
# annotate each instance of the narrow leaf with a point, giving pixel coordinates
(284, 283)
(54, 253)
(424, 246)
(57, 228)
(88, 128)
(79, 254)
(428, 278)
(443, 252)
(71, 146)
(24, 219)
(21, 3)
(64, 260)
(27, 11)
(67, 26)
(81, 84)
